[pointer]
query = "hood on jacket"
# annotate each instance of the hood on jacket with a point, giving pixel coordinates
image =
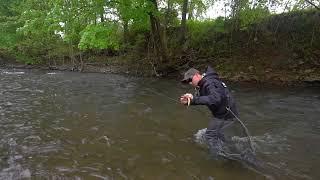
(211, 73)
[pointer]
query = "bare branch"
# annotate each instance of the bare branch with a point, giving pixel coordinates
(313, 4)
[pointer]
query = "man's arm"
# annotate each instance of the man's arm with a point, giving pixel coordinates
(214, 98)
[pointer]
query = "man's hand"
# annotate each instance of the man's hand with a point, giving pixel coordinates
(186, 99)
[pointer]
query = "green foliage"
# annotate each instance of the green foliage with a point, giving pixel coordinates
(137, 13)
(7, 40)
(8, 35)
(99, 37)
(252, 15)
(200, 31)
(7, 7)
(25, 59)
(37, 31)
(198, 7)
(8, 25)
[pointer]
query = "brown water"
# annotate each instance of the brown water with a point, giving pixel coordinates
(61, 125)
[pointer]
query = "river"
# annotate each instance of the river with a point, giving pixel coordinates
(67, 125)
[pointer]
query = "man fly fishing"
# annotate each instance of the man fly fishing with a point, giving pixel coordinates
(213, 93)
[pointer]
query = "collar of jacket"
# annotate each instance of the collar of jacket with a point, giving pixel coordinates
(201, 82)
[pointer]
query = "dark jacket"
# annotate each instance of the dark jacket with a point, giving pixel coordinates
(215, 95)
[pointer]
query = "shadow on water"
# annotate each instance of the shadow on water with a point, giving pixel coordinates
(103, 126)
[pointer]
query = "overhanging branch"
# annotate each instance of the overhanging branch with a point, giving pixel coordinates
(313, 4)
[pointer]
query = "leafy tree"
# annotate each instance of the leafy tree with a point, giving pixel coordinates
(100, 36)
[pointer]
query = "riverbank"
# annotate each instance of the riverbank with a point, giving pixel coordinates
(232, 72)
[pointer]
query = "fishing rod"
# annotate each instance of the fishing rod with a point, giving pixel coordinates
(202, 112)
(161, 94)
(227, 108)
(170, 98)
(244, 127)
(261, 166)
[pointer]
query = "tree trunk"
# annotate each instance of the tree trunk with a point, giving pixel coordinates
(101, 17)
(158, 39)
(71, 55)
(191, 8)
(166, 21)
(81, 63)
(236, 7)
(125, 31)
(183, 21)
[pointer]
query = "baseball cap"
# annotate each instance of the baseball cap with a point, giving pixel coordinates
(189, 74)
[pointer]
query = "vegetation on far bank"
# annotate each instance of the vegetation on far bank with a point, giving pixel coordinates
(152, 37)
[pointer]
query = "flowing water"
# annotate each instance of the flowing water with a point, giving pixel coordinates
(63, 125)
